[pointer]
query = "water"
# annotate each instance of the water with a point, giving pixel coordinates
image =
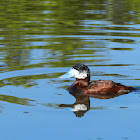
(41, 40)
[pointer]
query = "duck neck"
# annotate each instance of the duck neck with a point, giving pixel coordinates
(82, 82)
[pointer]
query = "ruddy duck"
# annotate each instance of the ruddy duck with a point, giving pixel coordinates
(98, 89)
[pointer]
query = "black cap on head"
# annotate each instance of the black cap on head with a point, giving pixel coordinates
(81, 67)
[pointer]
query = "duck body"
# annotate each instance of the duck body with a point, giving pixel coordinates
(102, 89)
(98, 89)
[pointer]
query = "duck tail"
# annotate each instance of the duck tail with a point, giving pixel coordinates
(132, 89)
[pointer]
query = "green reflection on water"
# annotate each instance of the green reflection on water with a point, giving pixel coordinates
(26, 81)
(16, 100)
(28, 25)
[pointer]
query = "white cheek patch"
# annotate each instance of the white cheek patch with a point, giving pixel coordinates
(79, 75)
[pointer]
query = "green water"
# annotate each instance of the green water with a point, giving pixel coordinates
(40, 40)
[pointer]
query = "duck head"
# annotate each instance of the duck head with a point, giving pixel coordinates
(79, 71)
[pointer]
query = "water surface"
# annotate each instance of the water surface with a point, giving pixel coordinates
(41, 40)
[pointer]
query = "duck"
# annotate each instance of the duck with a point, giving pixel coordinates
(102, 89)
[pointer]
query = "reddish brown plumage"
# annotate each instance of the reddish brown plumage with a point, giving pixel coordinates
(100, 88)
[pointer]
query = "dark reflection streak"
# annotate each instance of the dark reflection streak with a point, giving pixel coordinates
(115, 65)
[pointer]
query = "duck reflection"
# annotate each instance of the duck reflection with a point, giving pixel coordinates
(82, 104)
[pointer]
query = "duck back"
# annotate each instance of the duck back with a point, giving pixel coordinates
(100, 88)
